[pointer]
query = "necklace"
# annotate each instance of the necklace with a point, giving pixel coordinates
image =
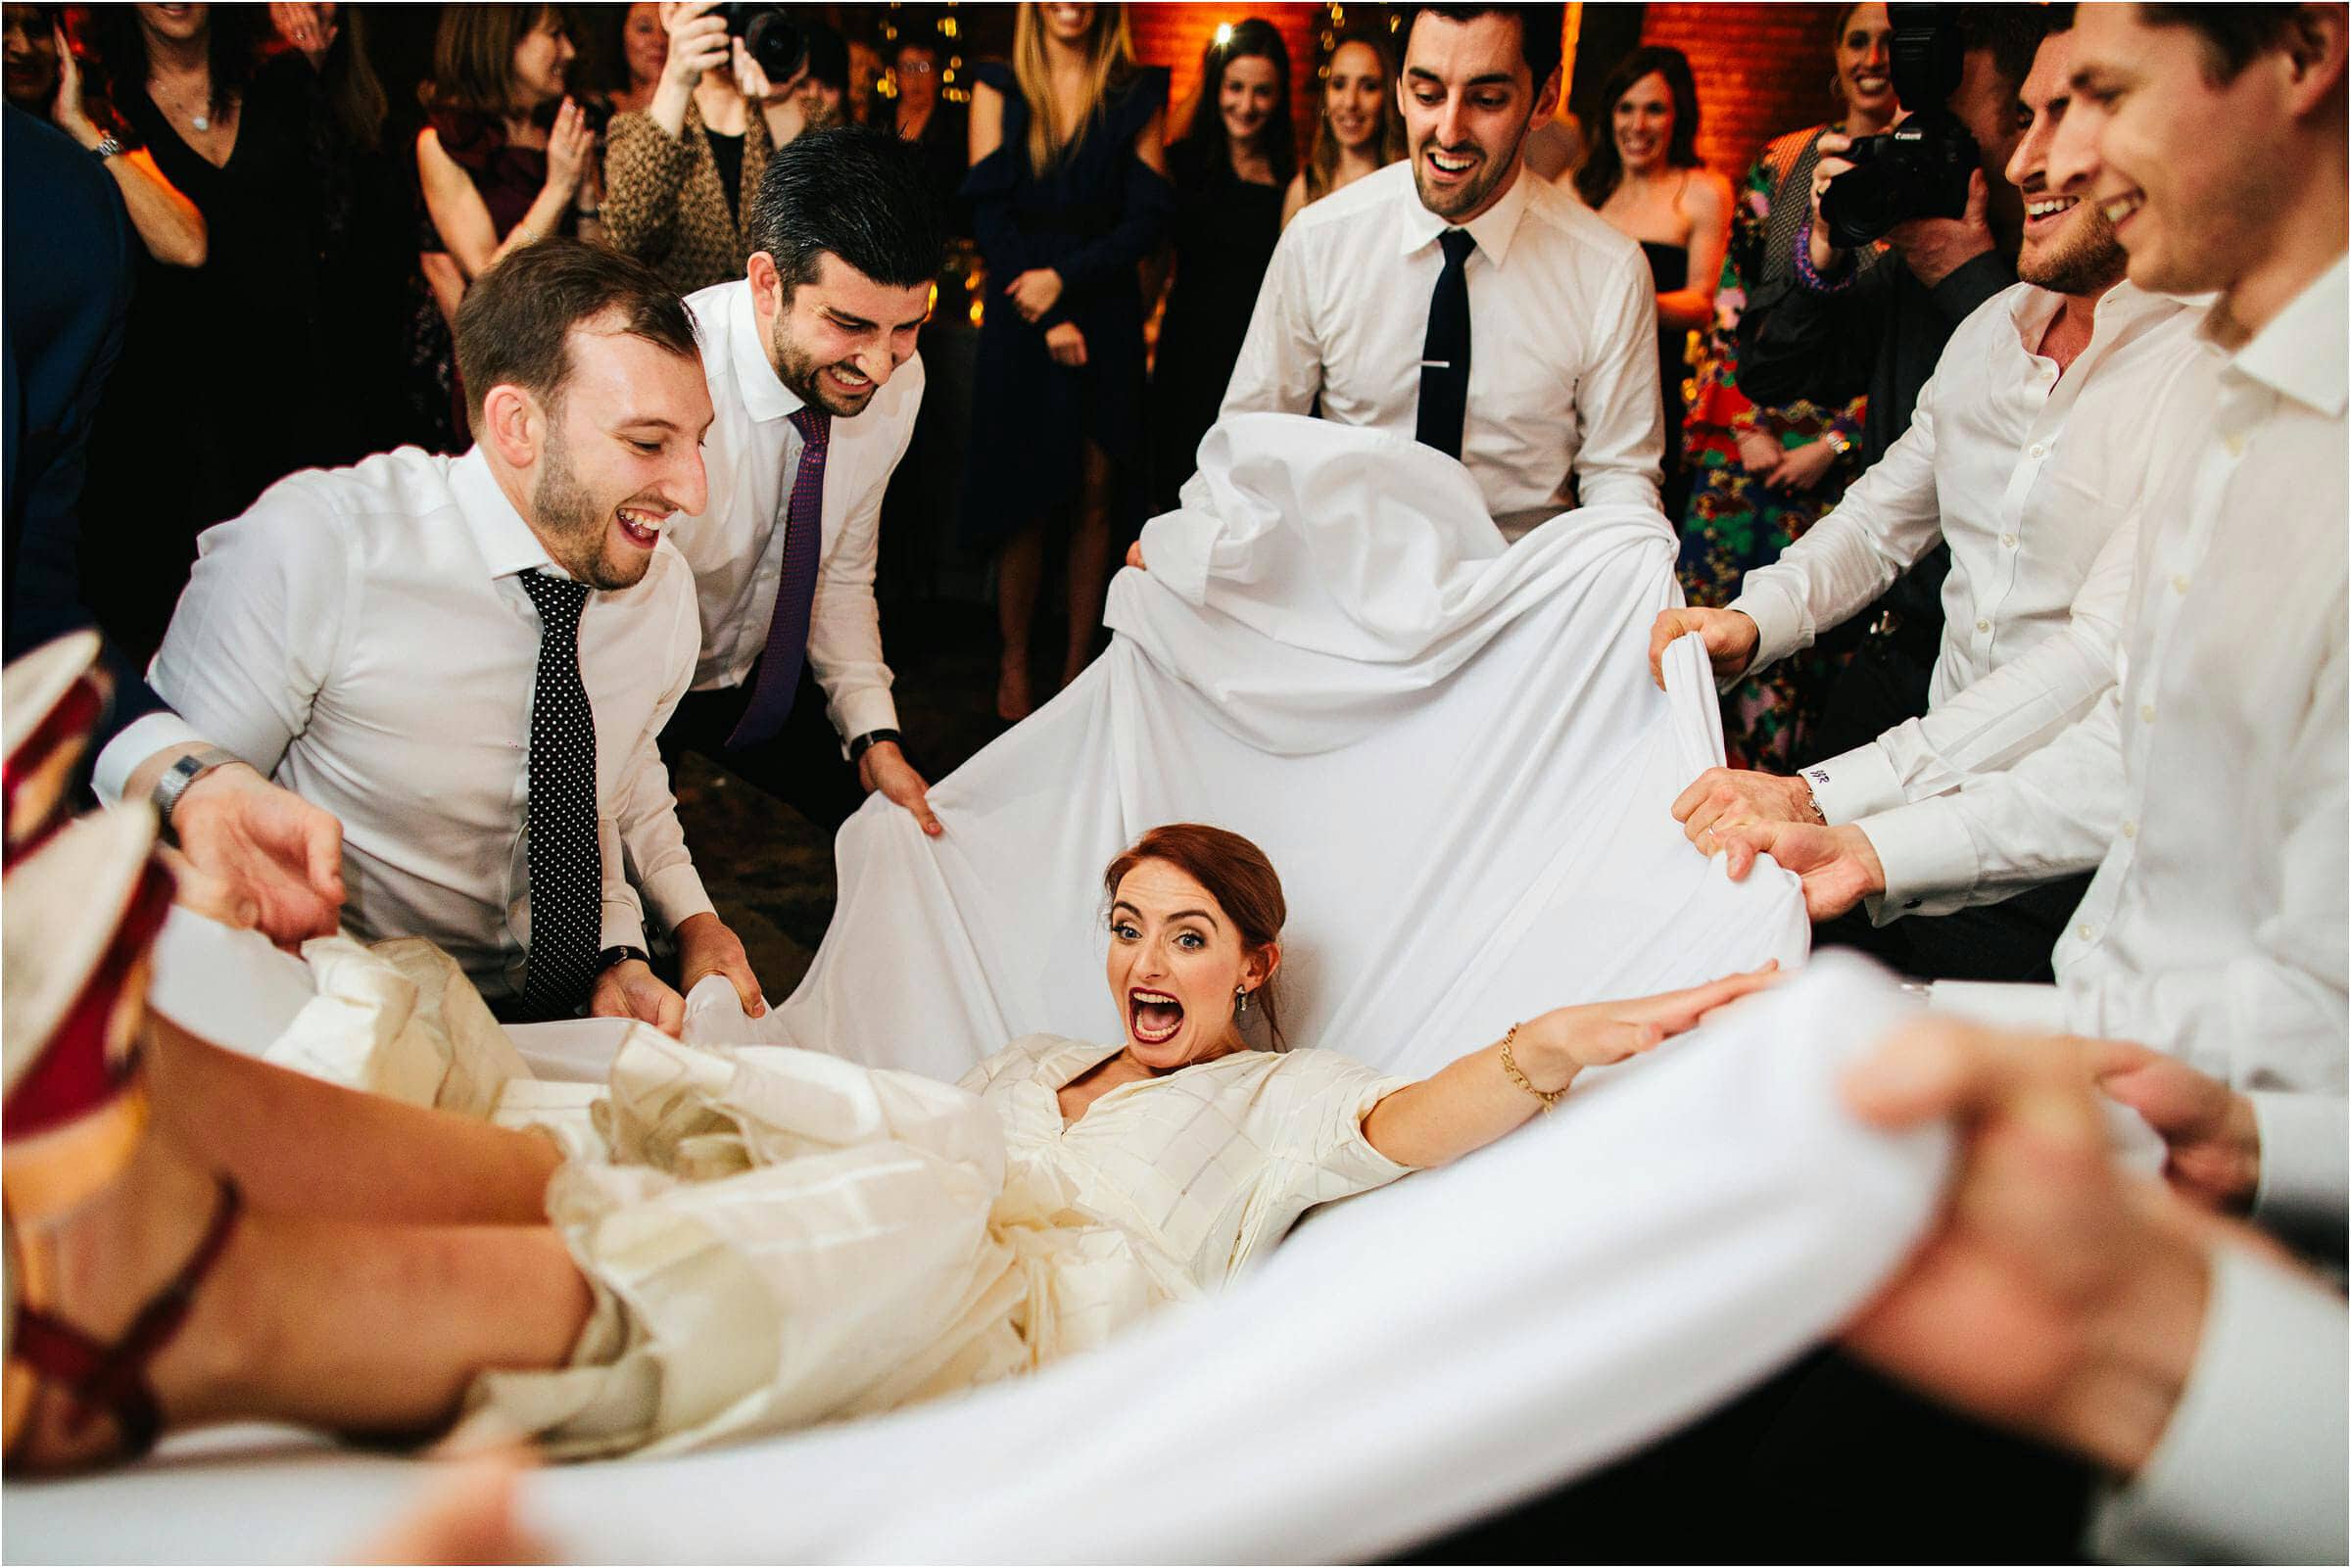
(200, 119)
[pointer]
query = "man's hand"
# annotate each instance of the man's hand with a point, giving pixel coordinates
(2211, 1138)
(1135, 556)
(1838, 865)
(884, 767)
(1733, 797)
(252, 854)
(630, 989)
(1936, 247)
(1802, 467)
(2053, 1296)
(1034, 292)
(1731, 636)
(705, 947)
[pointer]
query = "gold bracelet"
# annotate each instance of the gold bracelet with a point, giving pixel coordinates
(1510, 1065)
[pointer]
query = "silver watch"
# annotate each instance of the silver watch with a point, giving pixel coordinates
(108, 146)
(175, 780)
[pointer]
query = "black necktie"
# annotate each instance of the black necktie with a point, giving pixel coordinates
(1445, 355)
(567, 865)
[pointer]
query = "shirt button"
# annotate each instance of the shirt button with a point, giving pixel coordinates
(2178, 582)
(1983, 626)
(2234, 441)
(2085, 931)
(2008, 541)
(2147, 713)
(2130, 829)
(2040, 449)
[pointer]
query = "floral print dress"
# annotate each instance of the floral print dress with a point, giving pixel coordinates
(1733, 522)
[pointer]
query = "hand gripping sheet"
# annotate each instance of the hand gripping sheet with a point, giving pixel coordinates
(1454, 754)
(1406, 1362)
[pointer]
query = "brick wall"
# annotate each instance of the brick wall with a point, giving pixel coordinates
(1762, 70)
(1173, 35)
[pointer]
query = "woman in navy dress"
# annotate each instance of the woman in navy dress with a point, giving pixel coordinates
(1069, 194)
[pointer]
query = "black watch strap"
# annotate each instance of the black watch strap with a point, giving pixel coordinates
(621, 954)
(867, 742)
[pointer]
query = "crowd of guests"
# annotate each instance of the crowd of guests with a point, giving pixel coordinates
(2067, 459)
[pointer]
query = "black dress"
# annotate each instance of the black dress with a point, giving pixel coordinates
(1224, 231)
(231, 378)
(1092, 217)
(1669, 266)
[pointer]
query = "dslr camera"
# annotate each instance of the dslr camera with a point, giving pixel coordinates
(773, 39)
(1920, 168)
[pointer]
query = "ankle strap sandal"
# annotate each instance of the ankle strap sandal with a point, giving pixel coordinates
(47, 1354)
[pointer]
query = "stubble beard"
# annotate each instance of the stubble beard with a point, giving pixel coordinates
(799, 373)
(2088, 260)
(568, 516)
(1470, 197)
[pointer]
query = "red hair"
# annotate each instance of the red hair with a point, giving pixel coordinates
(1237, 876)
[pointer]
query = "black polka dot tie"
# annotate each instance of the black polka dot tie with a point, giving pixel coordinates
(567, 865)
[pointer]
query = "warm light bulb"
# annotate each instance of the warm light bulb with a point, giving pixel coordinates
(1223, 33)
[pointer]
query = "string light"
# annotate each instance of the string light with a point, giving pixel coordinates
(1223, 33)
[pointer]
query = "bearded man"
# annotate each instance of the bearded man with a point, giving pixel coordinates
(2027, 455)
(468, 660)
(1461, 300)
(813, 371)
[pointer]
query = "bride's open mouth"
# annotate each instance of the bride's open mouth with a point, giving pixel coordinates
(1153, 1017)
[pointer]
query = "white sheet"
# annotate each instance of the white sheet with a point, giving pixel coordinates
(1407, 1360)
(1453, 755)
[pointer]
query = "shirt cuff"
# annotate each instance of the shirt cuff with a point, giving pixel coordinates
(1928, 861)
(2303, 1183)
(2027, 1009)
(624, 925)
(1854, 784)
(2251, 1465)
(135, 746)
(860, 713)
(675, 895)
(1779, 626)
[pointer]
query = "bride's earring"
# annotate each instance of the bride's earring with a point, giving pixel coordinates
(1240, 1002)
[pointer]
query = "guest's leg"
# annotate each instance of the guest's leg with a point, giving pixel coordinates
(1089, 560)
(296, 1144)
(1020, 566)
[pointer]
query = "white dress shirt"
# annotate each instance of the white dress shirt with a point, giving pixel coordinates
(2216, 928)
(2250, 1467)
(361, 635)
(1563, 339)
(735, 545)
(2033, 479)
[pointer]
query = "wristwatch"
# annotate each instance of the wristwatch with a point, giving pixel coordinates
(175, 780)
(108, 146)
(867, 742)
(1839, 443)
(621, 954)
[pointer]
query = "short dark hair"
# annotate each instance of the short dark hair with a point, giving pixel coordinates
(2012, 32)
(1540, 30)
(854, 192)
(2231, 35)
(514, 326)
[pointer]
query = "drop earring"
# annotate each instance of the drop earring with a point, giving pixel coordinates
(1240, 1005)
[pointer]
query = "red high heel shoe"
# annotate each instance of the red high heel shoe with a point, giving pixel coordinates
(50, 700)
(84, 906)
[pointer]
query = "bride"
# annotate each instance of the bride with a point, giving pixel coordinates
(780, 1238)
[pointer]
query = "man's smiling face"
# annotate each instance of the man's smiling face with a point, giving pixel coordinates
(1469, 101)
(838, 337)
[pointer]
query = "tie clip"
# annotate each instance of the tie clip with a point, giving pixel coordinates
(1436, 364)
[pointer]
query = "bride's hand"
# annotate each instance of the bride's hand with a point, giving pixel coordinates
(1567, 1040)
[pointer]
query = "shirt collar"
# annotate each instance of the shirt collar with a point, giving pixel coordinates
(505, 540)
(1492, 229)
(2121, 309)
(764, 395)
(2300, 352)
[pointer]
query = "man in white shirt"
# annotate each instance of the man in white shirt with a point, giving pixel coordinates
(1361, 305)
(467, 660)
(813, 377)
(2216, 928)
(2024, 454)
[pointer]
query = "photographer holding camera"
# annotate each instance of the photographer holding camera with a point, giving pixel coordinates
(680, 176)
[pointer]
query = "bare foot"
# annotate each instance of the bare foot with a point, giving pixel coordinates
(1013, 702)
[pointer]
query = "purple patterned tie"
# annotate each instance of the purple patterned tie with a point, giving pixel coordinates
(796, 588)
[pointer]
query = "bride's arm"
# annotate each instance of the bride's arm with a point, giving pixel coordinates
(1474, 1100)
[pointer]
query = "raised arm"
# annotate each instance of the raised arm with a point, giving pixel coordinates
(461, 218)
(167, 222)
(1477, 1099)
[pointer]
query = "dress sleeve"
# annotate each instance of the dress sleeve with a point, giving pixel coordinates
(1308, 1119)
(989, 185)
(644, 170)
